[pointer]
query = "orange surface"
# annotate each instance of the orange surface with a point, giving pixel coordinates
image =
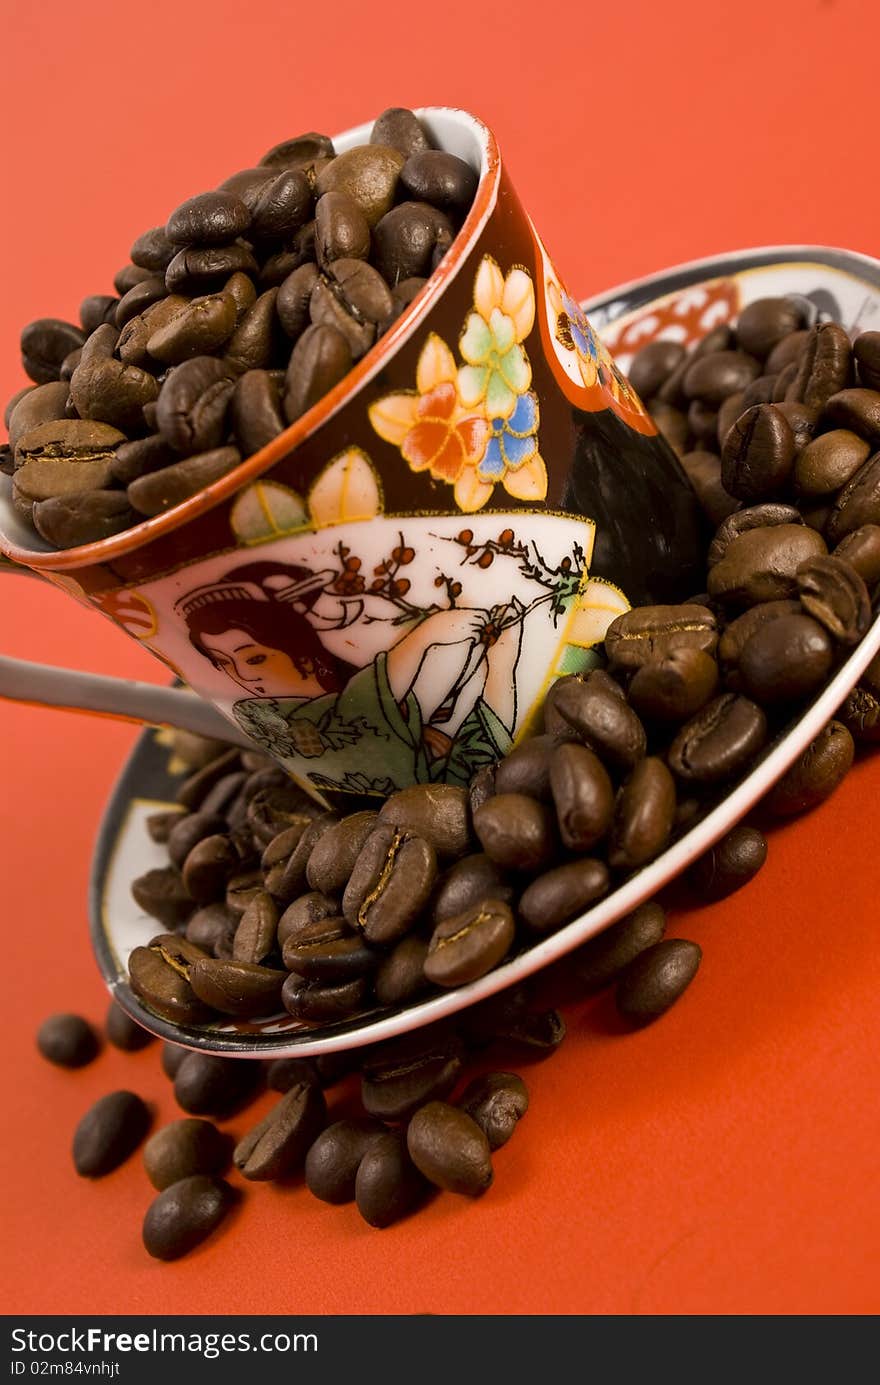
(724, 1160)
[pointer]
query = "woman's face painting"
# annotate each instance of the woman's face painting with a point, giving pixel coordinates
(261, 670)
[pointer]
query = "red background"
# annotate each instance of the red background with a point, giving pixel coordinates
(724, 1160)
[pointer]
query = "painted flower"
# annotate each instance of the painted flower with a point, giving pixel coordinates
(512, 456)
(497, 369)
(573, 330)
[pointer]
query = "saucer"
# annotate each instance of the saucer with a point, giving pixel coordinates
(681, 304)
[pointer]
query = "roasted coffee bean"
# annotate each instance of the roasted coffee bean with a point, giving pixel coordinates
(360, 290)
(731, 863)
(450, 1149)
(303, 912)
(593, 710)
(209, 866)
(829, 462)
(656, 979)
(388, 1185)
(323, 1002)
(256, 930)
(221, 798)
(334, 854)
(172, 1057)
(857, 410)
(866, 350)
(649, 633)
(644, 815)
(465, 883)
(719, 741)
(211, 767)
(766, 322)
(282, 845)
(137, 458)
(109, 1132)
(403, 294)
(139, 298)
(398, 128)
(739, 631)
(189, 830)
(277, 805)
(601, 960)
(325, 309)
(57, 458)
(37, 405)
(755, 517)
(439, 178)
(558, 895)
(785, 660)
(285, 1073)
(702, 422)
(69, 1041)
(294, 295)
(196, 330)
(468, 945)
(184, 1148)
(368, 174)
(493, 1019)
(673, 424)
(202, 269)
(237, 988)
(497, 1102)
(95, 310)
(815, 774)
(482, 786)
(653, 364)
(153, 250)
(762, 564)
(328, 950)
(44, 345)
(252, 345)
(299, 152)
(858, 504)
(184, 1215)
(279, 205)
(825, 366)
(673, 688)
(124, 1032)
(211, 218)
(192, 405)
(787, 352)
(212, 928)
(541, 1032)
(582, 795)
(332, 1161)
(82, 517)
(129, 275)
(861, 549)
(526, 768)
(208, 1085)
(320, 359)
(400, 976)
(860, 714)
(400, 1076)
(704, 474)
(516, 832)
(436, 812)
(341, 230)
(714, 376)
(292, 881)
(728, 413)
(407, 237)
(162, 490)
(835, 595)
(390, 884)
(278, 1144)
(758, 453)
(162, 894)
(159, 976)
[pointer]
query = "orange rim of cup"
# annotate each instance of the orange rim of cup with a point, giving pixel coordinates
(105, 550)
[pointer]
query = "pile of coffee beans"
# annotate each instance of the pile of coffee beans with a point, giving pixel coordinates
(228, 324)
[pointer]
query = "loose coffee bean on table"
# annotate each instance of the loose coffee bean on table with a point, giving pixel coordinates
(67, 1040)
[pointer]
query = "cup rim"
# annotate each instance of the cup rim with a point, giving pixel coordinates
(158, 526)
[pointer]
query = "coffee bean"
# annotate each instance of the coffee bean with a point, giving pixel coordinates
(601, 960)
(653, 364)
(648, 633)
(82, 517)
(252, 344)
(332, 1161)
(400, 1076)
(328, 950)
(172, 1057)
(787, 352)
(279, 204)
(318, 1002)
(400, 976)
(341, 229)
(284, 1073)
(208, 1085)
(255, 933)
(212, 766)
(256, 411)
(468, 881)
(656, 979)
(137, 458)
(516, 832)
(44, 345)
(766, 322)
(109, 1132)
(294, 295)
(590, 710)
(280, 1141)
(388, 1184)
(203, 269)
(785, 660)
(860, 714)
(438, 813)
(731, 863)
(58, 458)
(129, 275)
(162, 894)
(835, 595)
(719, 741)
(189, 830)
(714, 376)
(406, 239)
(857, 410)
(303, 912)
(755, 517)
(815, 774)
(184, 1215)
(758, 453)
(300, 151)
(469, 944)
(450, 1149)
(398, 128)
(858, 504)
(67, 1040)
(559, 895)
(209, 866)
(212, 928)
(673, 688)
(866, 350)
(153, 250)
(201, 327)
(292, 882)
(192, 404)
(582, 795)
(97, 309)
(37, 405)
(762, 564)
(124, 1032)
(702, 422)
(320, 359)
(368, 174)
(526, 768)
(390, 884)
(825, 366)
(496, 1102)
(739, 631)
(184, 1148)
(673, 424)
(728, 413)
(171, 485)
(237, 988)
(360, 290)
(439, 178)
(829, 462)
(803, 420)
(334, 854)
(644, 815)
(861, 549)
(212, 218)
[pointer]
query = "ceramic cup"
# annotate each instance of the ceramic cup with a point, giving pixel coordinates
(383, 594)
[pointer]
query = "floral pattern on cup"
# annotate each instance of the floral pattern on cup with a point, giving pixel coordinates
(595, 364)
(474, 424)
